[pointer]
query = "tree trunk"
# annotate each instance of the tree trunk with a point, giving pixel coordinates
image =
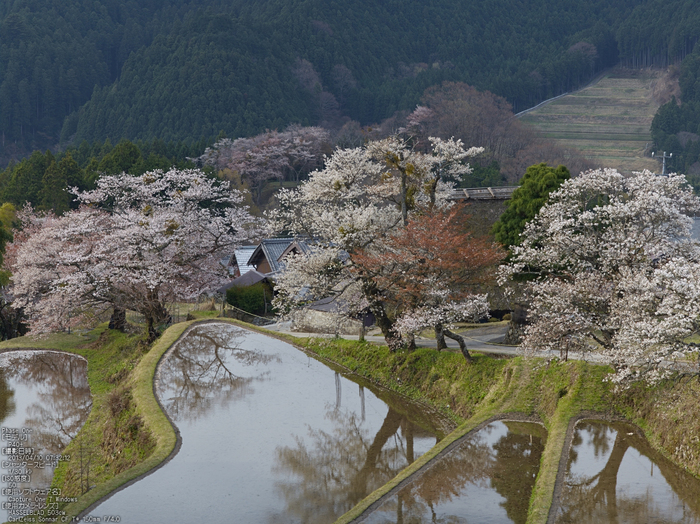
(151, 329)
(155, 314)
(404, 197)
(393, 339)
(440, 337)
(411, 342)
(432, 189)
(460, 341)
(118, 319)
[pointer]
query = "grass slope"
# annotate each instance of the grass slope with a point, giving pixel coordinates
(609, 121)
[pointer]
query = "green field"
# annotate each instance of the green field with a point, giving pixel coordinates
(608, 121)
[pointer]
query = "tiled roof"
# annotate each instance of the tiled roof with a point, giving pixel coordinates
(242, 255)
(271, 249)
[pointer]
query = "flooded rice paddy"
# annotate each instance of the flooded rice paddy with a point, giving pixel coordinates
(271, 435)
(487, 478)
(45, 396)
(615, 477)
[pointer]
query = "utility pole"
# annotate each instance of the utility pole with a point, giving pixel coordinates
(663, 169)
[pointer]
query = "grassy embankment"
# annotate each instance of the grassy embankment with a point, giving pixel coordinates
(608, 122)
(127, 435)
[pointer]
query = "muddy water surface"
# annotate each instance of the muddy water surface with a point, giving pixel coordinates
(269, 435)
(45, 396)
(487, 478)
(615, 477)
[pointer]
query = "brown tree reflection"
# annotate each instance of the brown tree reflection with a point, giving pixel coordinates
(205, 368)
(61, 392)
(341, 467)
(515, 469)
(507, 465)
(597, 499)
(7, 402)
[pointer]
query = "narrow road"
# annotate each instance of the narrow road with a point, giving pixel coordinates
(485, 339)
(593, 81)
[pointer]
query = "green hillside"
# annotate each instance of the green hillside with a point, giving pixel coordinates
(608, 122)
(185, 70)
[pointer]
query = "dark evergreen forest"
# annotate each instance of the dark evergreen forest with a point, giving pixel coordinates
(184, 70)
(676, 126)
(42, 179)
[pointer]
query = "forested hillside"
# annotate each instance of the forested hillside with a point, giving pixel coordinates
(676, 126)
(42, 178)
(184, 70)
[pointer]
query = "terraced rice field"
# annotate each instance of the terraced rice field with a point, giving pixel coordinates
(607, 121)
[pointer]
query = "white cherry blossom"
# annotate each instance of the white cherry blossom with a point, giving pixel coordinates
(614, 270)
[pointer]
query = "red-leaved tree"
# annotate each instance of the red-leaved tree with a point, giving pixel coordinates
(431, 271)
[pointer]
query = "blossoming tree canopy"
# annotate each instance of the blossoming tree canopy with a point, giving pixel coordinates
(135, 243)
(430, 271)
(349, 210)
(614, 269)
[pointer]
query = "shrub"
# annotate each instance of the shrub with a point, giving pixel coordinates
(251, 299)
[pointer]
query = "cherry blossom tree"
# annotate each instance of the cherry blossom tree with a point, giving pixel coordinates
(431, 270)
(612, 267)
(269, 156)
(348, 210)
(135, 243)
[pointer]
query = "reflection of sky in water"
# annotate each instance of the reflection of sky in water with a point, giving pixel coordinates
(487, 479)
(50, 396)
(641, 492)
(261, 442)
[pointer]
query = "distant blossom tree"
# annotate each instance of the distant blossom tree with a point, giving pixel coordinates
(614, 269)
(269, 156)
(135, 243)
(484, 119)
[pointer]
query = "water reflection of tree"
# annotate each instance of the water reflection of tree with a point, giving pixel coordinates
(509, 466)
(62, 401)
(595, 498)
(343, 466)
(515, 469)
(7, 403)
(203, 369)
(63, 395)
